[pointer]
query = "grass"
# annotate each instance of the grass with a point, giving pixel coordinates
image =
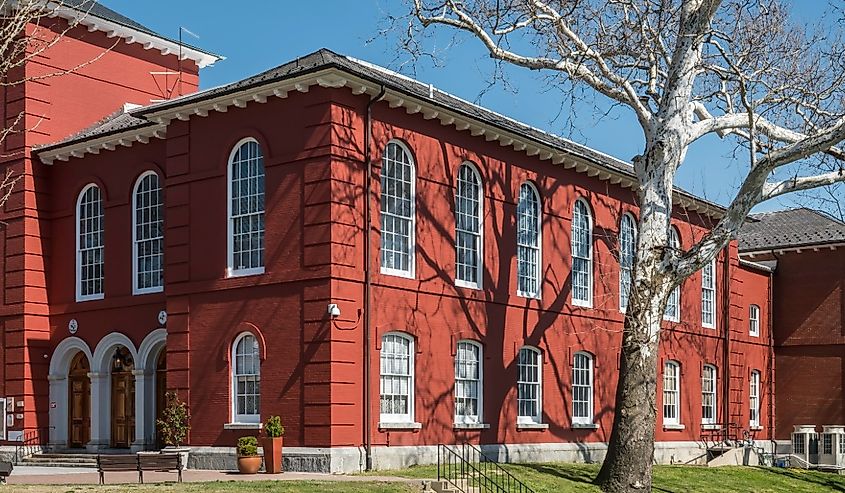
(572, 478)
(226, 487)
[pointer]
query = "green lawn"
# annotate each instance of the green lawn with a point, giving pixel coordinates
(566, 478)
(226, 487)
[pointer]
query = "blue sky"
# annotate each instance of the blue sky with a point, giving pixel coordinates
(255, 35)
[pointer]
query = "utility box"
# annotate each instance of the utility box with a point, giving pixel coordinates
(832, 447)
(805, 445)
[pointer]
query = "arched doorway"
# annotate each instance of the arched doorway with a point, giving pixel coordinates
(122, 398)
(79, 401)
(161, 391)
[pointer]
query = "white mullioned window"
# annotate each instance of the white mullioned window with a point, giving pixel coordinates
(90, 230)
(627, 253)
(582, 388)
(468, 231)
(582, 254)
(148, 235)
(708, 395)
(468, 383)
(754, 400)
(246, 379)
(708, 295)
(671, 393)
(246, 209)
(528, 231)
(529, 386)
(754, 320)
(396, 403)
(673, 304)
(398, 221)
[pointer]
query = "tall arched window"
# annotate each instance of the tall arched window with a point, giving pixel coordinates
(529, 386)
(468, 213)
(582, 388)
(148, 235)
(582, 254)
(708, 295)
(671, 393)
(246, 209)
(708, 395)
(754, 400)
(627, 252)
(468, 383)
(396, 378)
(89, 244)
(528, 258)
(246, 380)
(398, 223)
(673, 304)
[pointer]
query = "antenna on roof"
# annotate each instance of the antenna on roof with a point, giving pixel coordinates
(181, 30)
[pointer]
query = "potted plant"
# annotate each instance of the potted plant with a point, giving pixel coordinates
(273, 445)
(173, 426)
(249, 462)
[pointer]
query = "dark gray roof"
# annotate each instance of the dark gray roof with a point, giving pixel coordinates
(788, 229)
(117, 122)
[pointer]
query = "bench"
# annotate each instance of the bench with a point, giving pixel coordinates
(117, 463)
(160, 463)
(5, 471)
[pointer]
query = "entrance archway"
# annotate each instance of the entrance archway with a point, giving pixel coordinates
(122, 398)
(68, 351)
(79, 401)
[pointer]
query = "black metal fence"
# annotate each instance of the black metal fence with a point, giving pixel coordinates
(33, 441)
(467, 469)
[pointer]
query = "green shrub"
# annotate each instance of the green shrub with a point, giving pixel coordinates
(175, 421)
(247, 446)
(273, 427)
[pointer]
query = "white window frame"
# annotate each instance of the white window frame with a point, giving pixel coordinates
(538, 247)
(712, 394)
(152, 289)
(92, 296)
(588, 302)
(625, 270)
(711, 288)
(231, 271)
(477, 236)
(754, 320)
(590, 374)
(676, 391)
(675, 296)
(396, 417)
(754, 400)
(237, 417)
(537, 418)
(3, 435)
(479, 383)
(410, 273)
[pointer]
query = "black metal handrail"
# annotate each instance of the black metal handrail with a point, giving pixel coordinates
(465, 466)
(33, 441)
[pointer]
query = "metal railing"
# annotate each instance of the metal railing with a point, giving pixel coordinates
(467, 469)
(33, 441)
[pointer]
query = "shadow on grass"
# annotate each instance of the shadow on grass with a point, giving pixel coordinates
(831, 481)
(575, 475)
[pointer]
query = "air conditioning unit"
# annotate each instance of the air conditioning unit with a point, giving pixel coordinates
(805, 445)
(832, 446)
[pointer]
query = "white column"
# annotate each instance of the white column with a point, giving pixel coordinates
(59, 403)
(143, 424)
(100, 411)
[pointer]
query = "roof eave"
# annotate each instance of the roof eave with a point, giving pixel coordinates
(108, 141)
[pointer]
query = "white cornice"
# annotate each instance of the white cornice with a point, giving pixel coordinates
(818, 247)
(107, 143)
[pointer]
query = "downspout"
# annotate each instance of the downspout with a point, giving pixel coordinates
(771, 327)
(726, 357)
(368, 131)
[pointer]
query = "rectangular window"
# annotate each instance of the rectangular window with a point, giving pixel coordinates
(827, 443)
(708, 295)
(582, 389)
(754, 399)
(708, 395)
(396, 379)
(671, 394)
(582, 255)
(528, 389)
(798, 443)
(3, 416)
(754, 320)
(841, 444)
(468, 383)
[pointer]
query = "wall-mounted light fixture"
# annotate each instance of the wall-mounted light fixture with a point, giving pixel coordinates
(334, 310)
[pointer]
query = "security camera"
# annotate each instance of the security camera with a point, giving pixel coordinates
(334, 310)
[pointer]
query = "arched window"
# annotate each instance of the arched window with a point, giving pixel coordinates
(627, 252)
(754, 320)
(529, 389)
(246, 379)
(582, 254)
(673, 304)
(398, 222)
(89, 244)
(468, 246)
(671, 393)
(246, 209)
(148, 235)
(754, 400)
(708, 395)
(708, 295)
(582, 388)
(468, 383)
(397, 378)
(528, 258)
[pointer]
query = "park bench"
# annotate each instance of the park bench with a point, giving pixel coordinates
(160, 463)
(117, 463)
(5, 471)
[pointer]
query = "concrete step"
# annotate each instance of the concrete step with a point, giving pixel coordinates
(61, 460)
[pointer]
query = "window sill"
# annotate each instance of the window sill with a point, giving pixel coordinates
(674, 427)
(243, 426)
(711, 427)
(471, 426)
(532, 426)
(528, 296)
(244, 272)
(755, 428)
(583, 304)
(397, 273)
(93, 297)
(585, 426)
(399, 426)
(141, 292)
(468, 285)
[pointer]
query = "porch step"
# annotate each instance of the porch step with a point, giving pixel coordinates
(61, 460)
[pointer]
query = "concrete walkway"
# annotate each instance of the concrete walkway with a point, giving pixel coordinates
(81, 475)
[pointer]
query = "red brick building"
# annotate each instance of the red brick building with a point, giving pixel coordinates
(384, 265)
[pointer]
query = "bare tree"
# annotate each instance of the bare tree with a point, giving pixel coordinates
(740, 69)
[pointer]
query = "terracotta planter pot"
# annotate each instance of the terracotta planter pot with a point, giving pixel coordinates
(249, 465)
(272, 455)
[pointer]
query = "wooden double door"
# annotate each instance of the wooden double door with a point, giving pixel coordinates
(79, 404)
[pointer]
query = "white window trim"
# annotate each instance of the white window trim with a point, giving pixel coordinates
(676, 421)
(538, 418)
(79, 296)
(242, 419)
(472, 420)
(675, 242)
(714, 309)
(624, 307)
(754, 320)
(480, 262)
(754, 405)
(539, 294)
(385, 420)
(581, 420)
(3, 436)
(230, 240)
(411, 273)
(135, 289)
(588, 303)
(714, 393)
